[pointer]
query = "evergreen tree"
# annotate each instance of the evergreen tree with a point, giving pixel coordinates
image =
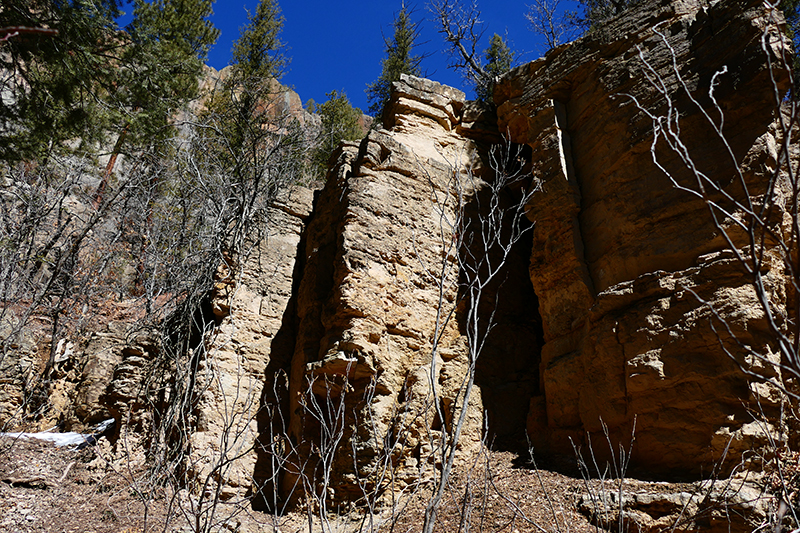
(251, 132)
(170, 43)
(58, 77)
(399, 60)
(259, 53)
(258, 61)
(157, 71)
(499, 58)
(87, 76)
(340, 121)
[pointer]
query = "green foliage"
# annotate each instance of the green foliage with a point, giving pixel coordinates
(170, 42)
(248, 131)
(259, 53)
(499, 59)
(239, 107)
(93, 77)
(340, 121)
(52, 96)
(399, 60)
(241, 112)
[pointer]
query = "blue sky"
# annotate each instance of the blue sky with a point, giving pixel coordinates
(338, 44)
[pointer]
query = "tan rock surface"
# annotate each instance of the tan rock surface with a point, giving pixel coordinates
(618, 250)
(249, 306)
(18, 368)
(369, 297)
(321, 349)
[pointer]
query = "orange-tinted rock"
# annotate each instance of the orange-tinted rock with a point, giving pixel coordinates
(618, 250)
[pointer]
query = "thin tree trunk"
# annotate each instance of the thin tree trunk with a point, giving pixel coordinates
(101, 189)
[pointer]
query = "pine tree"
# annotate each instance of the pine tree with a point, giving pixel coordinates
(259, 53)
(59, 76)
(170, 43)
(250, 131)
(499, 58)
(258, 61)
(399, 60)
(87, 76)
(157, 72)
(340, 121)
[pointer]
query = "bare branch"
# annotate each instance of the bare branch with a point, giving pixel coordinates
(461, 27)
(544, 20)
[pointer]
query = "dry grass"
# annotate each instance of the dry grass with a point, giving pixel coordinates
(49, 489)
(45, 488)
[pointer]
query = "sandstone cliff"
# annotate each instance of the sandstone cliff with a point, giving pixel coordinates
(619, 262)
(619, 251)
(250, 305)
(336, 354)
(369, 296)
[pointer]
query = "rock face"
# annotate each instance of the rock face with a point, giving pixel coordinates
(338, 358)
(284, 100)
(606, 330)
(619, 251)
(245, 346)
(737, 504)
(379, 265)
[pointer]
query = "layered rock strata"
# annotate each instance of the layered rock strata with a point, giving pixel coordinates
(378, 291)
(338, 357)
(252, 303)
(621, 258)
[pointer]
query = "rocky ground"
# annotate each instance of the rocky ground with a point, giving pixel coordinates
(45, 488)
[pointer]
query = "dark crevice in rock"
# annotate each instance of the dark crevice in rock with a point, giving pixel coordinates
(507, 369)
(274, 402)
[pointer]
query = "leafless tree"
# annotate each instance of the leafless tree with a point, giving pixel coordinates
(461, 27)
(476, 244)
(754, 205)
(200, 223)
(57, 259)
(178, 219)
(544, 19)
(757, 218)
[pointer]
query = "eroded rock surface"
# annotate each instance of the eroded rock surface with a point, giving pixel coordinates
(321, 357)
(734, 505)
(620, 256)
(377, 251)
(251, 304)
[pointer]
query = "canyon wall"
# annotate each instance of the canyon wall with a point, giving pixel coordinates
(340, 349)
(621, 257)
(378, 289)
(626, 270)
